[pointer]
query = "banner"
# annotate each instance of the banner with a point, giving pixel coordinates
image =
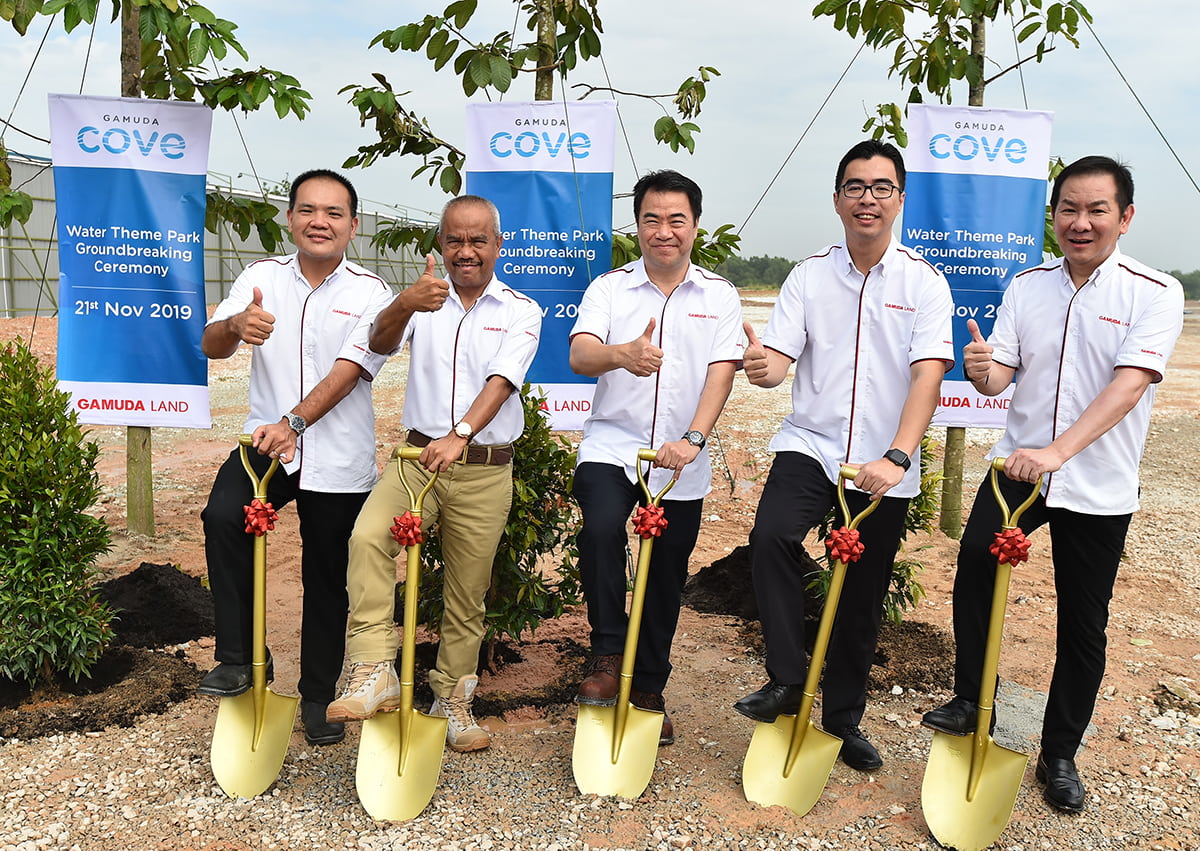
(975, 204)
(548, 166)
(129, 177)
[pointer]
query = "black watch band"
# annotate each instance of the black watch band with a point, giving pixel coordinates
(898, 457)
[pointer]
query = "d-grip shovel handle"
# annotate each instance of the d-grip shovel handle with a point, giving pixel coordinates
(650, 455)
(848, 473)
(245, 442)
(1009, 518)
(415, 499)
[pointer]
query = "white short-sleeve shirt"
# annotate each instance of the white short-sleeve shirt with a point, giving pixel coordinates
(314, 327)
(854, 339)
(454, 351)
(1065, 344)
(698, 324)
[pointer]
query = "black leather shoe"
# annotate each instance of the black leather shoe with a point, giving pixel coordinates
(857, 752)
(771, 701)
(1064, 790)
(318, 731)
(228, 680)
(959, 717)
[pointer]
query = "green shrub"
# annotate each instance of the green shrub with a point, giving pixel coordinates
(53, 620)
(541, 526)
(905, 589)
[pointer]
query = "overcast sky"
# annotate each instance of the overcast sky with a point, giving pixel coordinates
(777, 65)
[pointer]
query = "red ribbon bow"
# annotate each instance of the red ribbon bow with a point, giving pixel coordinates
(407, 530)
(844, 545)
(649, 521)
(260, 517)
(1011, 546)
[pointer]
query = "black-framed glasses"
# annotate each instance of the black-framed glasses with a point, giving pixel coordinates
(878, 190)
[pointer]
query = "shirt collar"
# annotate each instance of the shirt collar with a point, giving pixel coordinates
(890, 257)
(638, 276)
(493, 290)
(1102, 274)
(294, 261)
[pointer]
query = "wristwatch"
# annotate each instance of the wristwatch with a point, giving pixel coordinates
(463, 429)
(695, 438)
(296, 423)
(898, 457)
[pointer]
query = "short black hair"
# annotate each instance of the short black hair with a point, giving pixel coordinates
(1120, 172)
(867, 149)
(331, 175)
(667, 181)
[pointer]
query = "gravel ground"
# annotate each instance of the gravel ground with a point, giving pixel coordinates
(151, 787)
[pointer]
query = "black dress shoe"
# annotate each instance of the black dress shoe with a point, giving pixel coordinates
(318, 731)
(856, 751)
(771, 701)
(1064, 790)
(228, 680)
(959, 717)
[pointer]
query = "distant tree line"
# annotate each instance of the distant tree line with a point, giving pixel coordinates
(1190, 281)
(756, 272)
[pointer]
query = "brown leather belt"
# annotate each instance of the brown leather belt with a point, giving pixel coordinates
(497, 455)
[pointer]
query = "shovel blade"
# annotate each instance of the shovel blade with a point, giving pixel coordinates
(764, 780)
(591, 761)
(956, 818)
(242, 769)
(387, 791)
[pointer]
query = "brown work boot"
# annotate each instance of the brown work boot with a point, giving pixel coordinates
(600, 681)
(653, 702)
(462, 732)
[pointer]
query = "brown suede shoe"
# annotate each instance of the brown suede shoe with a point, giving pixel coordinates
(653, 702)
(600, 683)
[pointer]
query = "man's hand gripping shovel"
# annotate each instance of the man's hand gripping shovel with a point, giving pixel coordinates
(789, 762)
(971, 783)
(253, 729)
(400, 753)
(616, 746)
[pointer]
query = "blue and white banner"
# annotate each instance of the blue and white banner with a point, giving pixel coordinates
(975, 204)
(129, 176)
(548, 166)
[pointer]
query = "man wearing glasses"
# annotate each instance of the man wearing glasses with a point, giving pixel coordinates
(867, 324)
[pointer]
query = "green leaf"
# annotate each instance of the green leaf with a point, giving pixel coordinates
(201, 14)
(198, 46)
(502, 73)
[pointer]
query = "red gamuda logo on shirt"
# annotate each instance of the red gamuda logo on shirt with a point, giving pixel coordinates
(494, 328)
(1104, 318)
(703, 316)
(346, 313)
(903, 307)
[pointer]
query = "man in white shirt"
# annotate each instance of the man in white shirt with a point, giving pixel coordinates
(664, 338)
(471, 340)
(867, 323)
(308, 317)
(1087, 338)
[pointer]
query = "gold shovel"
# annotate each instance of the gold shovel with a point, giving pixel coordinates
(616, 746)
(971, 783)
(253, 729)
(400, 753)
(789, 761)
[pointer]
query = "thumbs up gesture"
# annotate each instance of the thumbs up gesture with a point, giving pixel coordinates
(642, 357)
(254, 324)
(754, 358)
(977, 354)
(429, 292)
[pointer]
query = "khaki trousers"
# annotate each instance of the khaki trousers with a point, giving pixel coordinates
(470, 504)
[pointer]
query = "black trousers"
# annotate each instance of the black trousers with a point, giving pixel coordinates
(326, 520)
(794, 500)
(607, 499)
(1086, 550)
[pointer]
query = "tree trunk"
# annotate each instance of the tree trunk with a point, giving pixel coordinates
(956, 437)
(139, 467)
(543, 83)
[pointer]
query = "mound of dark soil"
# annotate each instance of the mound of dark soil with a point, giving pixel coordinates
(158, 605)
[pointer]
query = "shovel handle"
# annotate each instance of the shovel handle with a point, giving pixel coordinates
(415, 498)
(245, 441)
(649, 455)
(848, 473)
(1009, 517)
